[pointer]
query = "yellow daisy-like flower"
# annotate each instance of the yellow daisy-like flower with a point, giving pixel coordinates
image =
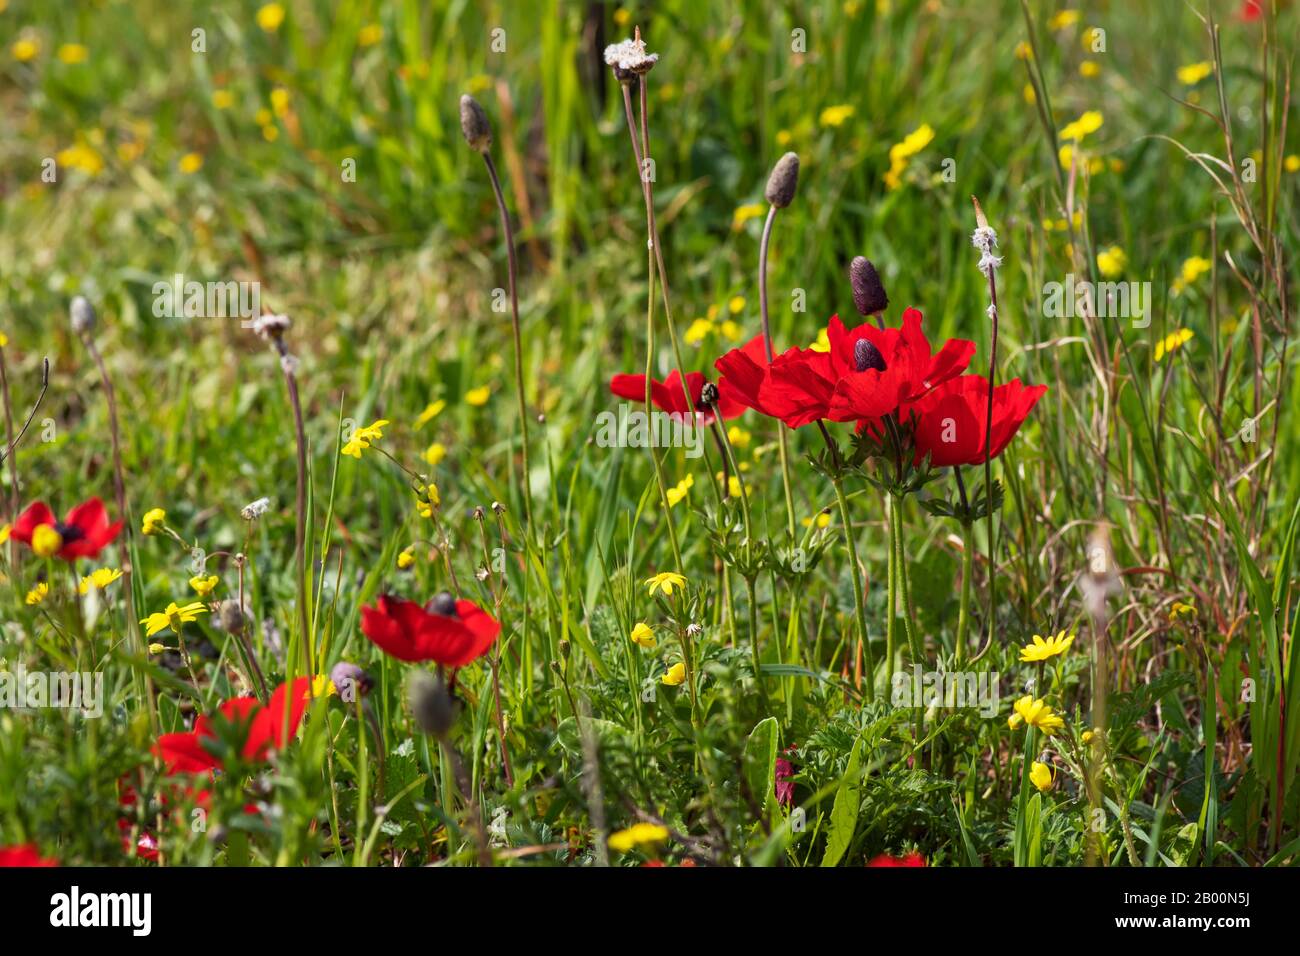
(1089, 69)
(1193, 268)
(822, 520)
(372, 432)
(1088, 122)
(1291, 164)
(1041, 649)
(155, 519)
(738, 437)
(835, 115)
(1193, 73)
(478, 396)
(680, 490)
(99, 579)
(370, 34)
(431, 411)
(643, 635)
(73, 53)
(280, 101)
(1024, 51)
(1111, 262)
(25, 49)
(731, 330)
(698, 331)
(1090, 735)
(37, 594)
(222, 99)
(675, 675)
(435, 453)
(204, 586)
(4, 532)
(190, 163)
(1041, 776)
(1172, 342)
(742, 215)
(322, 686)
(1181, 610)
(733, 486)
(1035, 713)
(352, 448)
(639, 834)
(270, 16)
(46, 541)
(405, 558)
(262, 117)
(901, 152)
(736, 304)
(1063, 20)
(664, 582)
(173, 617)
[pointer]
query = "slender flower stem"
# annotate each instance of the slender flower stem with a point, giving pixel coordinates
(782, 446)
(13, 459)
(496, 655)
(967, 564)
(300, 529)
(891, 602)
(990, 272)
(914, 642)
(859, 606)
(514, 319)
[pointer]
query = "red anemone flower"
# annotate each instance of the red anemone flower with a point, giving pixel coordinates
(448, 631)
(907, 859)
(951, 420)
(83, 534)
(867, 372)
(25, 855)
(670, 396)
(185, 753)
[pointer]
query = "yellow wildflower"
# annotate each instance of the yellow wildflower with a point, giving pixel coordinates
(1040, 775)
(744, 213)
(1193, 73)
(322, 686)
(1291, 164)
(478, 396)
(370, 34)
(1087, 123)
(222, 99)
(1193, 268)
(155, 519)
(736, 304)
(435, 453)
(100, 578)
(1024, 51)
(4, 532)
(698, 331)
(678, 492)
(204, 586)
(73, 53)
(190, 163)
(270, 16)
(836, 115)
(643, 635)
(822, 520)
(665, 581)
(1172, 342)
(738, 437)
(173, 617)
(25, 49)
(1041, 649)
(1063, 20)
(639, 834)
(730, 330)
(675, 675)
(1089, 69)
(431, 411)
(46, 541)
(1111, 262)
(280, 101)
(1179, 609)
(405, 558)
(901, 152)
(1035, 713)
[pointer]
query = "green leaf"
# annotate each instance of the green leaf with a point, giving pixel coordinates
(844, 812)
(760, 762)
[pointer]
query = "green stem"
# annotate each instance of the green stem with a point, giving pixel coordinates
(963, 615)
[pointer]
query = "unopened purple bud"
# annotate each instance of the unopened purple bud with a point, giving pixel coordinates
(442, 603)
(866, 355)
(868, 291)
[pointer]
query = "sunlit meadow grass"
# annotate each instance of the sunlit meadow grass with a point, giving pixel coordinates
(1150, 499)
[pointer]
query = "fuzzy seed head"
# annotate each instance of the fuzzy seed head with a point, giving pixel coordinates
(82, 314)
(474, 124)
(783, 182)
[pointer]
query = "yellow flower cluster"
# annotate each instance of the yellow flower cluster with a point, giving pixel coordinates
(1172, 342)
(900, 153)
(363, 436)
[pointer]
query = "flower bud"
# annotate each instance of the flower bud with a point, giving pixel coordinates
(432, 706)
(442, 603)
(474, 124)
(82, 314)
(709, 395)
(783, 182)
(230, 616)
(868, 292)
(866, 355)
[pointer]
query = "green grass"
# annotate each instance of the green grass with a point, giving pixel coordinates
(391, 281)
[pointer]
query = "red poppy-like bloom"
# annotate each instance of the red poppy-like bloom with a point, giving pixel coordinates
(448, 631)
(83, 534)
(867, 372)
(26, 855)
(1251, 10)
(951, 420)
(908, 859)
(669, 395)
(185, 753)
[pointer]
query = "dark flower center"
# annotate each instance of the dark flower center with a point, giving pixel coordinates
(443, 604)
(69, 532)
(866, 355)
(709, 395)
